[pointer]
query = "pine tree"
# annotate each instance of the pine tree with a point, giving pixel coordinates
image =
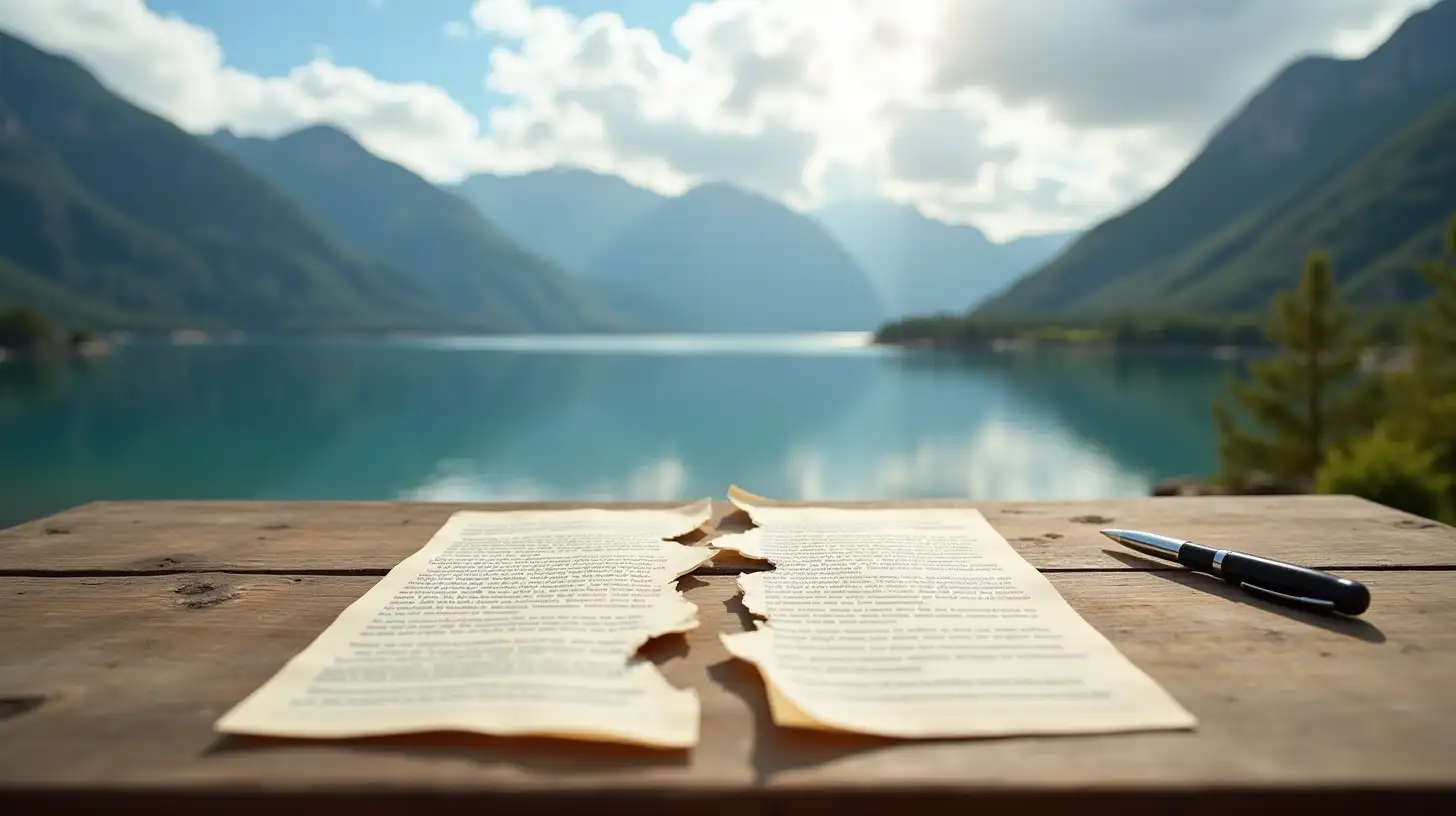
(1422, 406)
(1307, 397)
(1434, 334)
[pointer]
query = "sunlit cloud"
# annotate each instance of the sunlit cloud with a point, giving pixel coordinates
(1017, 116)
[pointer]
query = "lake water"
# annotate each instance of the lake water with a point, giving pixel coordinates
(804, 417)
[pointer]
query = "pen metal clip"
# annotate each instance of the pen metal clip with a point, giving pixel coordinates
(1317, 604)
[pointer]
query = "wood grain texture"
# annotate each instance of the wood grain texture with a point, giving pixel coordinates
(1336, 532)
(112, 685)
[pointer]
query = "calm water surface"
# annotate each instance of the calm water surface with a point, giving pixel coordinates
(803, 417)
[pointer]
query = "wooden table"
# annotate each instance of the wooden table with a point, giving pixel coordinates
(128, 628)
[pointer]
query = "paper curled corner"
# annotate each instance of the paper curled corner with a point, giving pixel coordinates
(745, 501)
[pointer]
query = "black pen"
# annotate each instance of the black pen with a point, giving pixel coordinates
(1261, 577)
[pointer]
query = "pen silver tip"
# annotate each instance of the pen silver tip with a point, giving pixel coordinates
(1128, 537)
(1147, 543)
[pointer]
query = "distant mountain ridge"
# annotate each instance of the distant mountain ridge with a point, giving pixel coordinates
(925, 266)
(441, 241)
(1292, 137)
(564, 214)
(728, 260)
(572, 215)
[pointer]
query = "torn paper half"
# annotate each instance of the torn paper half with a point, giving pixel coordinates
(924, 623)
(508, 623)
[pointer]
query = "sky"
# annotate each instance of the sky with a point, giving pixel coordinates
(1020, 116)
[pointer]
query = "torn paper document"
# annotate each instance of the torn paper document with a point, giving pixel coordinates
(923, 623)
(506, 623)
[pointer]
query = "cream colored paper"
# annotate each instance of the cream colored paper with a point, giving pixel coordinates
(924, 623)
(505, 623)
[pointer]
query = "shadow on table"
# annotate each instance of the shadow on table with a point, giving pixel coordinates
(734, 521)
(775, 749)
(534, 753)
(1340, 625)
(778, 749)
(725, 521)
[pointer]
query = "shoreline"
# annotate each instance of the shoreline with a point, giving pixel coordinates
(85, 351)
(1376, 359)
(1010, 345)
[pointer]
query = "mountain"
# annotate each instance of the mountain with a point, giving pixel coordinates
(385, 211)
(1374, 218)
(729, 260)
(42, 205)
(566, 215)
(115, 216)
(1291, 138)
(570, 215)
(925, 266)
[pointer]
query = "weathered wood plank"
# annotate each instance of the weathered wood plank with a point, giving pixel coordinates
(1337, 532)
(134, 670)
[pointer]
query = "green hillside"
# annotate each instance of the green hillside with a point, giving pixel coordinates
(51, 223)
(439, 239)
(114, 213)
(1373, 218)
(1316, 117)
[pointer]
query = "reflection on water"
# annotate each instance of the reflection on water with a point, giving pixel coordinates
(637, 418)
(659, 344)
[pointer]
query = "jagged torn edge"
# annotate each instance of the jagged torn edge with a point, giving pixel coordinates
(785, 710)
(748, 544)
(679, 560)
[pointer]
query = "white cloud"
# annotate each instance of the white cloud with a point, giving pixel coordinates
(1168, 63)
(176, 70)
(1020, 116)
(457, 30)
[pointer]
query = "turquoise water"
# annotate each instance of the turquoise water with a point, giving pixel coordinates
(808, 417)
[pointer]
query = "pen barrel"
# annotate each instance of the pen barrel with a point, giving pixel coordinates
(1197, 557)
(1349, 597)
